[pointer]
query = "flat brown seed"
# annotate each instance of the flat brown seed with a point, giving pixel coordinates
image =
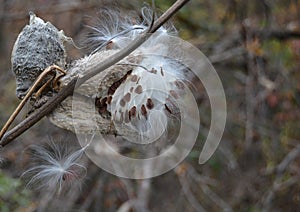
(129, 115)
(133, 111)
(110, 45)
(109, 98)
(126, 118)
(137, 82)
(122, 103)
(161, 71)
(149, 104)
(134, 78)
(138, 89)
(103, 101)
(168, 109)
(127, 97)
(179, 84)
(97, 102)
(153, 71)
(115, 85)
(174, 94)
(121, 117)
(144, 111)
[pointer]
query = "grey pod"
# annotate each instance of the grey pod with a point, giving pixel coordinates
(38, 46)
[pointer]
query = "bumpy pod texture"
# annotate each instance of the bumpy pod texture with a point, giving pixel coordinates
(38, 46)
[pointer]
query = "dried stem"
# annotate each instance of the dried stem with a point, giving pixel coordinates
(68, 90)
(28, 95)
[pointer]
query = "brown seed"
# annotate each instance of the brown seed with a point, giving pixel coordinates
(168, 109)
(115, 85)
(127, 97)
(133, 111)
(129, 115)
(110, 45)
(179, 84)
(97, 101)
(122, 103)
(131, 89)
(174, 94)
(150, 104)
(126, 118)
(134, 78)
(103, 101)
(121, 117)
(153, 71)
(144, 111)
(161, 71)
(109, 98)
(138, 89)
(137, 82)
(101, 105)
(101, 110)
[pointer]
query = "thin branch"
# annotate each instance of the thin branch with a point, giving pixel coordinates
(38, 114)
(293, 154)
(249, 93)
(28, 95)
(280, 169)
(227, 55)
(189, 194)
(49, 106)
(276, 34)
(203, 183)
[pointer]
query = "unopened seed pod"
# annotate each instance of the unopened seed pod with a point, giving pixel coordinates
(39, 45)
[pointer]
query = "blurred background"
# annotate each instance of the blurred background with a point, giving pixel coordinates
(255, 48)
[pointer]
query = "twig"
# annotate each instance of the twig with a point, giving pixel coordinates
(227, 55)
(280, 169)
(276, 34)
(288, 159)
(95, 193)
(49, 106)
(27, 96)
(203, 183)
(189, 194)
(249, 91)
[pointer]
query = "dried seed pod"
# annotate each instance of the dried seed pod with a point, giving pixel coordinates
(39, 45)
(134, 98)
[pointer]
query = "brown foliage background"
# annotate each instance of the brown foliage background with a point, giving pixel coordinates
(255, 48)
